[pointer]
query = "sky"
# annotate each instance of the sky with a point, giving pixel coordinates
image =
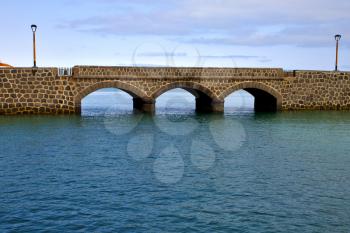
(288, 34)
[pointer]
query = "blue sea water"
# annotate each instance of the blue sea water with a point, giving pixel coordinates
(115, 170)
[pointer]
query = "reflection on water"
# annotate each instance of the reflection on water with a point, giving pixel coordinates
(112, 170)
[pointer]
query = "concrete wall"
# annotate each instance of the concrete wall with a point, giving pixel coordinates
(42, 91)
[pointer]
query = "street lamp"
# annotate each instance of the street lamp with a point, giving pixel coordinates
(34, 27)
(337, 39)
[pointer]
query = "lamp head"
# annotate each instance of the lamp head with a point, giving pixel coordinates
(337, 37)
(34, 27)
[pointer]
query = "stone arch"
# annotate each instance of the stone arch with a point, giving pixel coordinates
(195, 89)
(136, 93)
(266, 98)
(206, 101)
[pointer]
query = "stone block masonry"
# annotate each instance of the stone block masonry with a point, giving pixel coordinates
(35, 91)
(44, 91)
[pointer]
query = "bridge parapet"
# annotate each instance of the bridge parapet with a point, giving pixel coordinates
(176, 72)
(320, 74)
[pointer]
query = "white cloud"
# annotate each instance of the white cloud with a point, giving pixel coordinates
(239, 22)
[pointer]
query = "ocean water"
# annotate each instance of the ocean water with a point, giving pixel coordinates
(115, 170)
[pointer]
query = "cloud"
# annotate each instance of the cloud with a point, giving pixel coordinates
(265, 60)
(230, 57)
(310, 23)
(261, 59)
(165, 54)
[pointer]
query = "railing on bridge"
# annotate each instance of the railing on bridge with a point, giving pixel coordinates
(65, 71)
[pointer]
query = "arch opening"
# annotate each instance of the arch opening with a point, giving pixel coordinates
(106, 101)
(123, 91)
(263, 101)
(239, 101)
(177, 100)
(251, 96)
(186, 94)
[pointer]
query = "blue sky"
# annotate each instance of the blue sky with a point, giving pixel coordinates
(290, 34)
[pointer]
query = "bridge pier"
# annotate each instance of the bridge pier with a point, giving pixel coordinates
(147, 106)
(77, 110)
(207, 105)
(203, 105)
(217, 107)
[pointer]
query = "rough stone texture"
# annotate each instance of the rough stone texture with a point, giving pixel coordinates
(39, 91)
(43, 91)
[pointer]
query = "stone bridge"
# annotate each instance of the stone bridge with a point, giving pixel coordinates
(44, 91)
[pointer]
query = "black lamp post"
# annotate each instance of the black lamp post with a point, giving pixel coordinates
(337, 39)
(34, 27)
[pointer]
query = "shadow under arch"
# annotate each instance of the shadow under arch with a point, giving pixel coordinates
(266, 98)
(139, 97)
(206, 101)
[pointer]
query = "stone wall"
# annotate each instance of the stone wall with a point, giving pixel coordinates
(39, 91)
(174, 72)
(316, 90)
(43, 91)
